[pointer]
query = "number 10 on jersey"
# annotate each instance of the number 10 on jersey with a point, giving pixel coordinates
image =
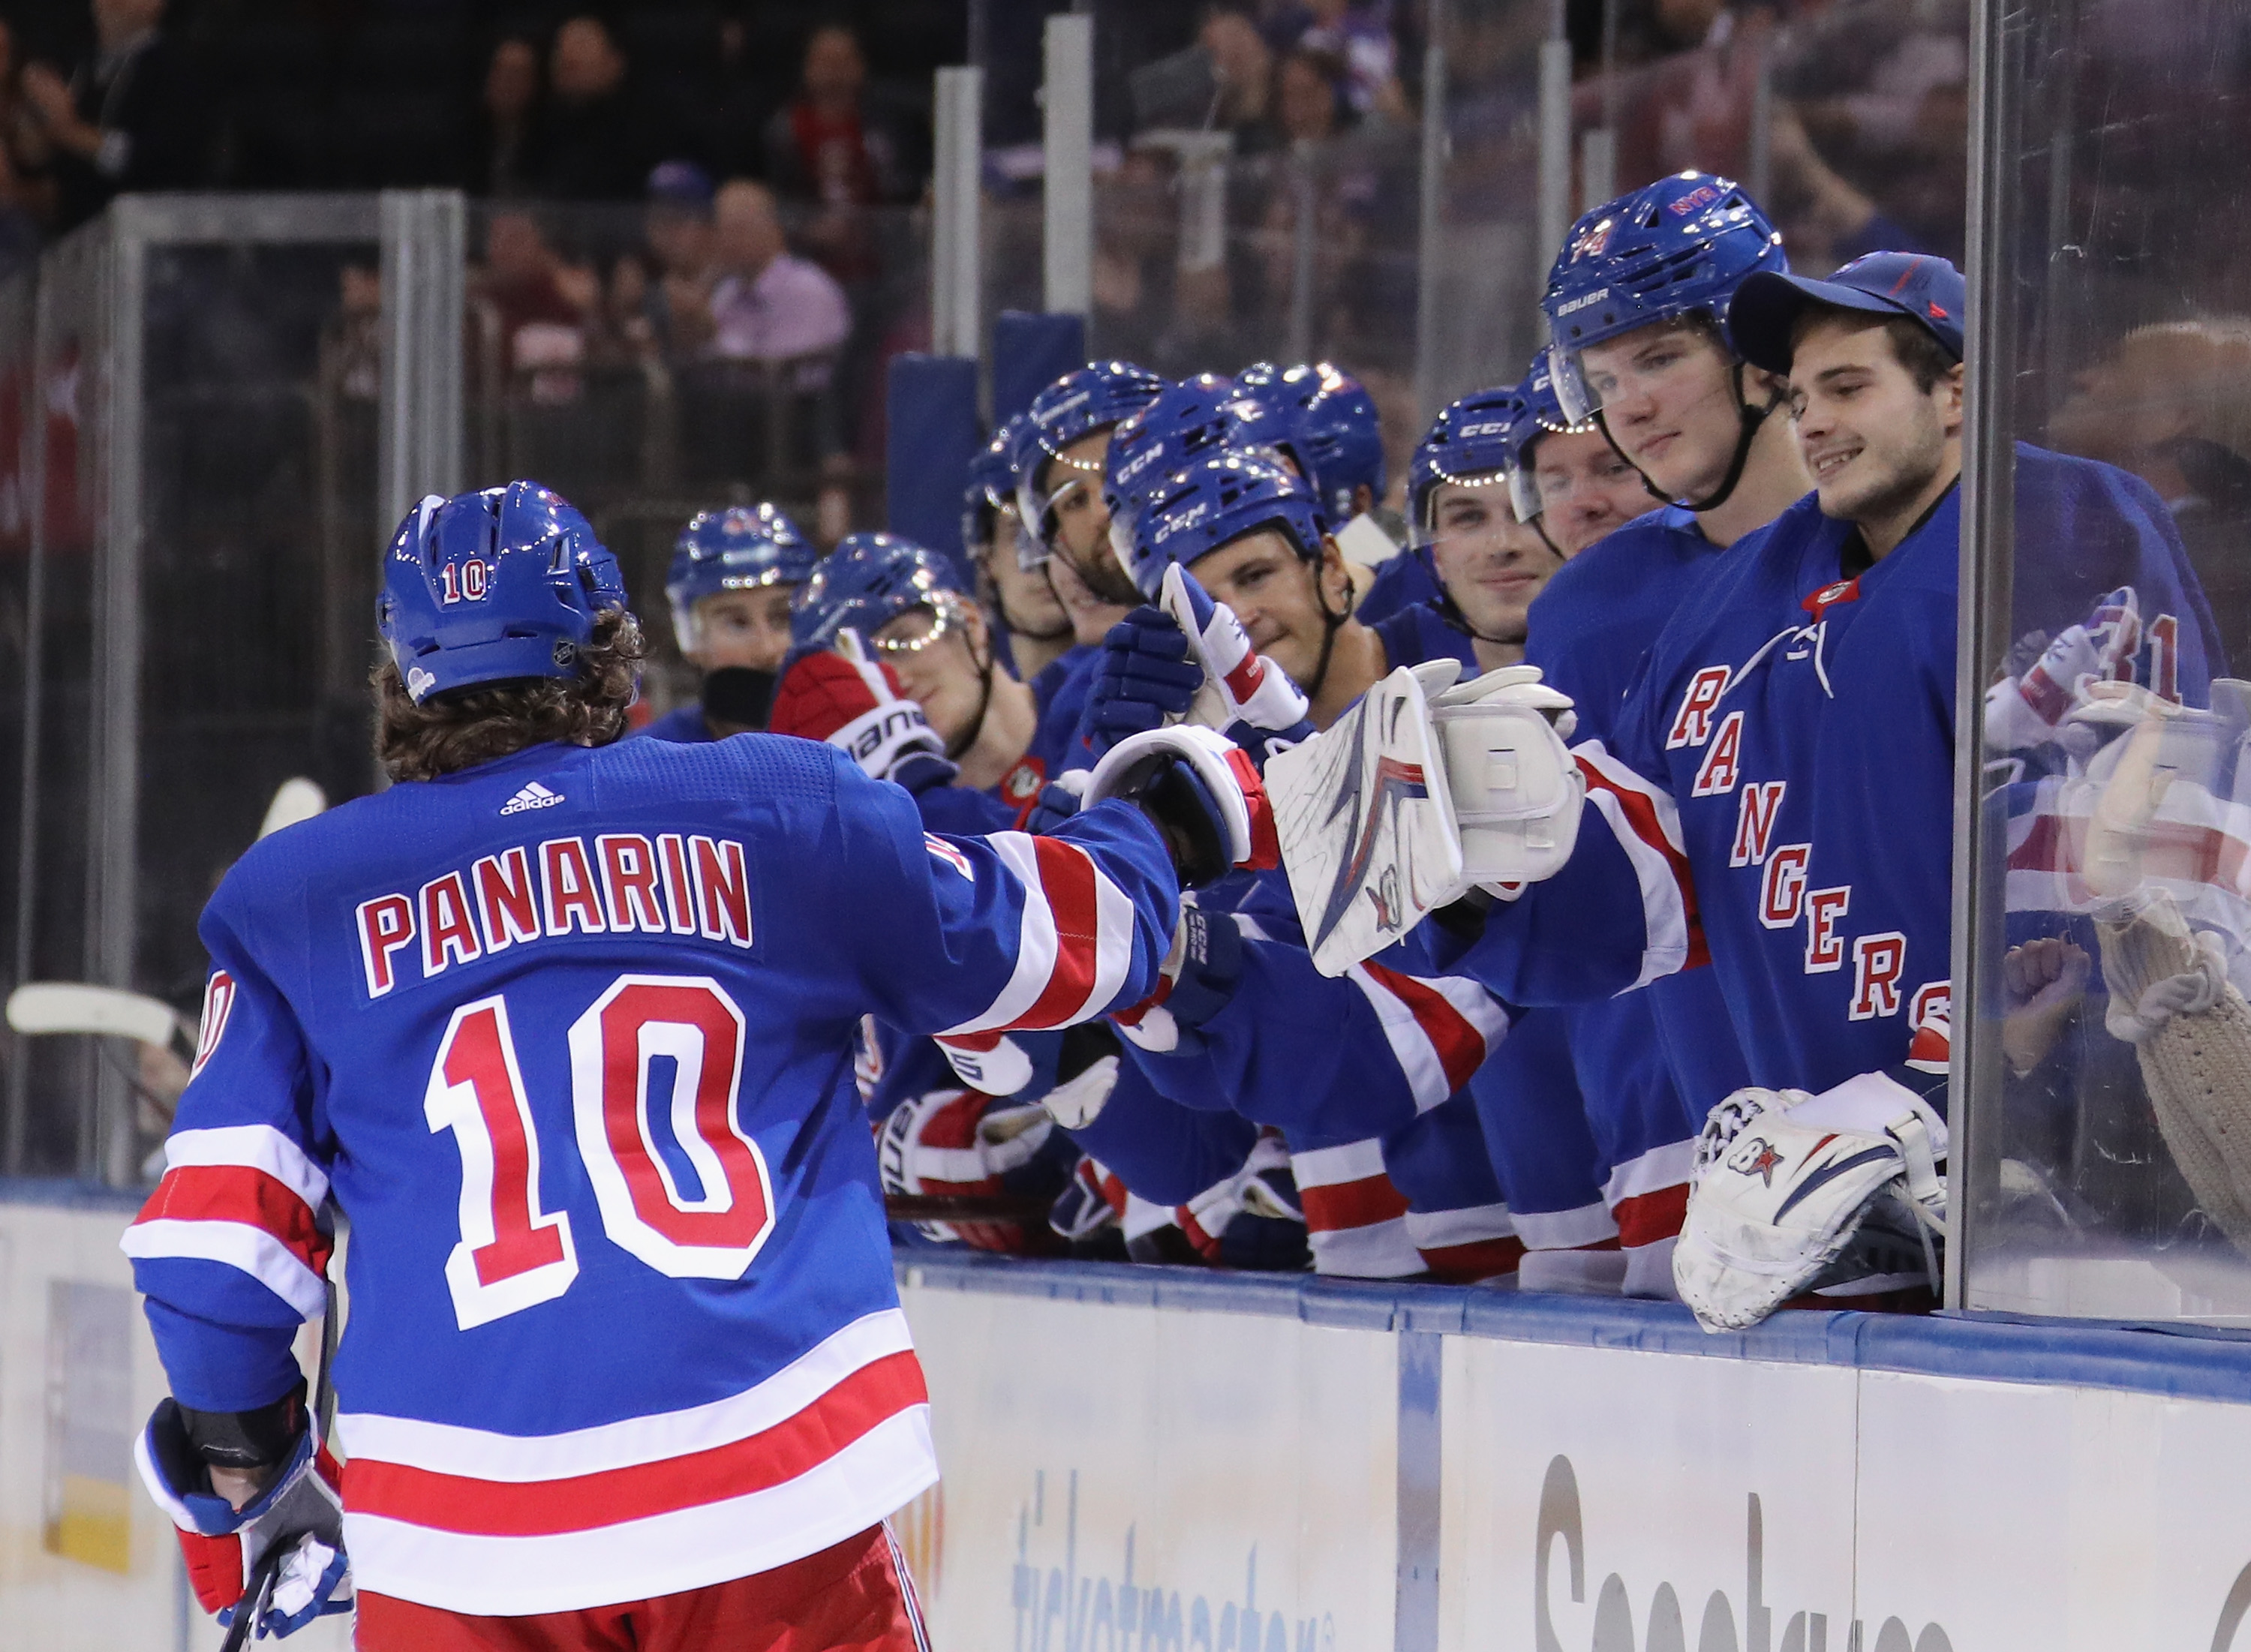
(513, 1254)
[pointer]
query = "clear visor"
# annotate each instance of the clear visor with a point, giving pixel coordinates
(917, 629)
(1037, 500)
(1459, 504)
(1524, 491)
(1031, 552)
(1652, 361)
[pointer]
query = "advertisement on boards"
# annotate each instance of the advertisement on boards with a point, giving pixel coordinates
(1124, 1477)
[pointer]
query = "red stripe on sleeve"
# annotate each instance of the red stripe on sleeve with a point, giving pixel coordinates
(1640, 811)
(1067, 880)
(544, 1508)
(1460, 1046)
(240, 1193)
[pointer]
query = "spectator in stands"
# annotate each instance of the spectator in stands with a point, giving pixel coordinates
(1360, 38)
(542, 308)
(27, 184)
(676, 309)
(1312, 98)
(1242, 70)
(836, 143)
(508, 161)
(131, 119)
(599, 140)
(768, 304)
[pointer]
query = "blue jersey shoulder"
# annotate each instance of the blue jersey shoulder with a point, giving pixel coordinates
(1402, 582)
(682, 725)
(1415, 636)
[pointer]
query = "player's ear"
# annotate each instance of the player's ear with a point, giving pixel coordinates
(1952, 387)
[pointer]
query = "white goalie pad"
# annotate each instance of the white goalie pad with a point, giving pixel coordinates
(1422, 791)
(1786, 1179)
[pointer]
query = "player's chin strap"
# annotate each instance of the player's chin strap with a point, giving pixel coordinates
(958, 747)
(1012, 624)
(1332, 623)
(1750, 419)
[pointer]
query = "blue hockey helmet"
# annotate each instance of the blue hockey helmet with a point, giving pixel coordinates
(742, 547)
(491, 586)
(1543, 415)
(992, 485)
(1333, 433)
(1214, 503)
(1676, 247)
(1472, 441)
(863, 585)
(1194, 417)
(1088, 399)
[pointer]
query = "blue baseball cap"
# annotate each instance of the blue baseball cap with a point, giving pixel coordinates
(681, 183)
(1917, 285)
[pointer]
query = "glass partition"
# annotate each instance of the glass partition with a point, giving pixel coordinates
(1849, 123)
(2108, 1166)
(647, 364)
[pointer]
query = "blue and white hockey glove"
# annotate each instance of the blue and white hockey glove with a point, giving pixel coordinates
(1246, 686)
(2027, 708)
(1197, 981)
(1201, 792)
(299, 1509)
(1060, 798)
(856, 704)
(1146, 679)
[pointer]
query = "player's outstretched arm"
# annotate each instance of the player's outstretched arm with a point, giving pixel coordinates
(966, 937)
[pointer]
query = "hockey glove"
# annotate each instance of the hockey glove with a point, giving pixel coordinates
(299, 1511)
(856, 705)
(1088, 1204)
(1060, 798)
(1246, 686)
(1146, 679)
(1204, 794)
(1085, 1074)
(1785, 1181)
(960, 1143)
(1197, 981)
(2028, 709)
(1253, 1220)
(1428, 788)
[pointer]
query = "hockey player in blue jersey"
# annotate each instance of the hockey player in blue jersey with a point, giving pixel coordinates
(1776, 796)
(1569, 483)
(1641, 291)
(733, 572)
(625, 1357)
(1364, 1076)
(1013, 587)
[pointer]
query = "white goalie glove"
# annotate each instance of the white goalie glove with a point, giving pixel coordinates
(1785, 1180)
(1428, 788)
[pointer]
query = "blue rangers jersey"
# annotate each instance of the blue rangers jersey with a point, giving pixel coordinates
(1590, 630)
(1778, 800)
(682, 725)
(568, 1037)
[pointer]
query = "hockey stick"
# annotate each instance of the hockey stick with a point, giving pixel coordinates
(39, 1008)
(966, 1208)
(259, 1594)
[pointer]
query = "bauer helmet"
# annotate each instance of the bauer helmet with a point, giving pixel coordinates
(1675, 247)
(1088, 399)
(743, 548)
(1338, 439)
(499, 585)
(867, 582)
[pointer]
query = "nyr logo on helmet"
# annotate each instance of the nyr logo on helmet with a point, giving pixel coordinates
(1592, 244)
(1694, 198)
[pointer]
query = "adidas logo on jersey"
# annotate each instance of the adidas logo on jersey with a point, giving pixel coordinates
(534, 796)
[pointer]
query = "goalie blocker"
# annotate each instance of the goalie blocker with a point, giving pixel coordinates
(1427, 789)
